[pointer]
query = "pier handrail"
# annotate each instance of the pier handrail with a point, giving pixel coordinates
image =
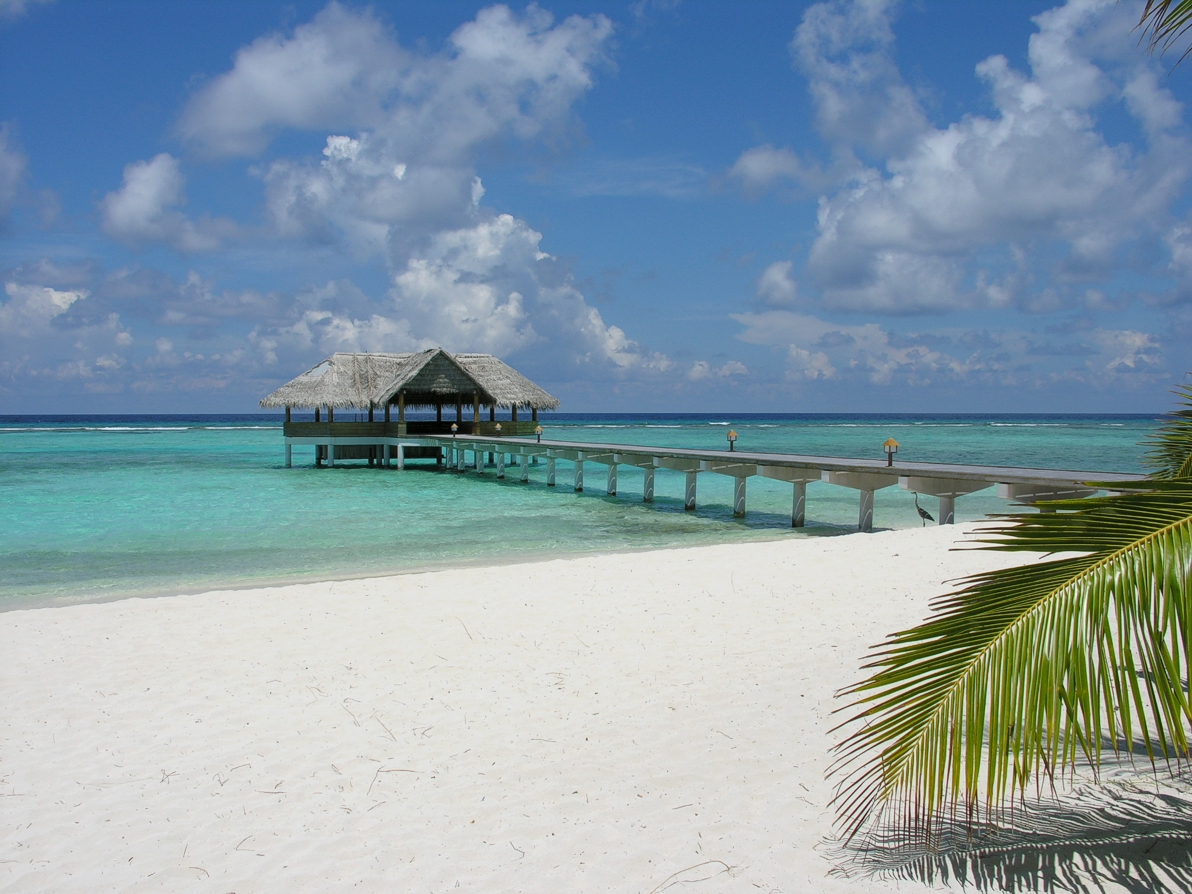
(901, 468)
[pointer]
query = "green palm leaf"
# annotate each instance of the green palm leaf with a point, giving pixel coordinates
(1164, 22)
(1170, 454)
(1025, 670)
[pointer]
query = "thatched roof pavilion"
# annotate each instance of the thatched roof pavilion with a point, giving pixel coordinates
(431, 378)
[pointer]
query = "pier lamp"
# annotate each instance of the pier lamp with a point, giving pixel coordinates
(454, 429)
(891, 447)
(498, 429)
(538, 431)
(732, 440)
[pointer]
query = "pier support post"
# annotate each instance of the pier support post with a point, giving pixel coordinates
(460, 459)
(289, 456)
(689, 492)
(501, 465)
(865, 519)
(550, 471)
(739, 496)
(579, 475)
(799, 505)
(611, 490)
(401, 456)
(947, 510)
(648, 485)
(478, 461)
(331, 455)
(525, 468)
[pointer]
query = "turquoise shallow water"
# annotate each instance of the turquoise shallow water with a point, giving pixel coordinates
(101, 508)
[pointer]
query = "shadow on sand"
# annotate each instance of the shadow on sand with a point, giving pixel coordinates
(1131, 835)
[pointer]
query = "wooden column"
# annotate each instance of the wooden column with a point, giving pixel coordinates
(386, 411)
(370, 413)
(476, 418)
(331, 414)
(287, 412)
(401, 407)
(534, 414)
(514, 416)
(459, 409)
(316, 414)
(438, 411)
(492, 413)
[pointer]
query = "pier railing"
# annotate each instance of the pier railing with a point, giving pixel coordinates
(380, 443)
(419, 428)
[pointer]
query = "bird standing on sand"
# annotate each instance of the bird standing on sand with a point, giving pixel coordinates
(923, 513)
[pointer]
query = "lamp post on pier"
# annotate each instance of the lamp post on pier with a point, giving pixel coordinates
(732, 440)
(891, 447)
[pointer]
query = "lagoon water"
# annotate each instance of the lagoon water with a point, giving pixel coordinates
(95, 508)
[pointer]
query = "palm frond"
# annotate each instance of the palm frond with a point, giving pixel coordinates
(1170, 453)
(1164, 22)
(1024, 671)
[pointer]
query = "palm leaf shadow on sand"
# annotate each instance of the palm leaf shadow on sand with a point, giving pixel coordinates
(1126, 835)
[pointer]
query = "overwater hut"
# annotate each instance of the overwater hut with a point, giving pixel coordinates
(465, 384)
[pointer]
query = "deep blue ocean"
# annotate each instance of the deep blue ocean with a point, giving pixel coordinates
(106, 507)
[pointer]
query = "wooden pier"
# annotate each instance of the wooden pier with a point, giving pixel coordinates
(946, 481)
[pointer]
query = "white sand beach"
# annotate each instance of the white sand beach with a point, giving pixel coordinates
(631, 722)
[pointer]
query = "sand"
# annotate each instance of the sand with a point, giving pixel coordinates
(634, 722)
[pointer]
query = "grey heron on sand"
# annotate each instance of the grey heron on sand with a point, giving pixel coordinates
(923, 513)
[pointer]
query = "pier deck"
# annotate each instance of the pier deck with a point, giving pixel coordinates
(946, 481)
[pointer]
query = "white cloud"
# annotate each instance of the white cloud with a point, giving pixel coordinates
(776, 287)
(334, 71)
(145, 209)
(870, 354)
(844, 47)
(500, 74)
(989, 211)
(403, 164)
(398, 179)
(42, 338)
(14, 9)
(30, 308)
(808, 365)
(702, 369)
(763, 167)
(489, 287)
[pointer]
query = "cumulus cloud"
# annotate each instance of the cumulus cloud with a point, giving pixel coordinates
(1013, 208)
(845, 49)
(334, 71)
(906, 240)
(39, 340)
(501, 73)
(871, 354)
(397, 179)
(702, 369)
(409, 128)
(491, 288)
(776, 287)
(761, 167)
(145, 209)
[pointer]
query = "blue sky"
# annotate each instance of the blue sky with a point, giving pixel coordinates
(648, 206)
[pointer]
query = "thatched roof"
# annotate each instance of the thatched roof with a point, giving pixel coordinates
(360, 381)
